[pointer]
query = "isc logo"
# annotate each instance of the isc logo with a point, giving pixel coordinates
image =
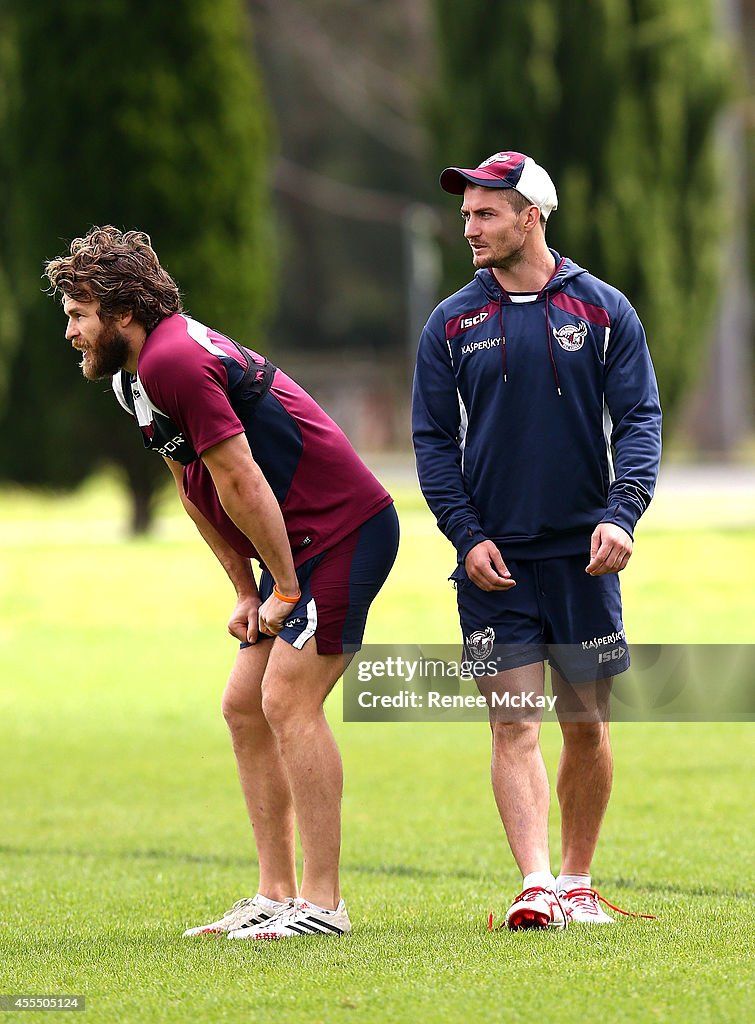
(613, 655)
(473, 321)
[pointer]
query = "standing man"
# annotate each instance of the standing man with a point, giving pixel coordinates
(264, 474)
(537, 431)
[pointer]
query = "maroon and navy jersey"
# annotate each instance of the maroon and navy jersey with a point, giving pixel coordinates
(195, 388)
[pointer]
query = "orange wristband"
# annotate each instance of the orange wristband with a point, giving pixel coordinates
(285, 597)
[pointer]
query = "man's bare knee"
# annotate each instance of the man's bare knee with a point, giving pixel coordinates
(241, 703)
(519, 735)
(242, 713)
(282, 710)
(584, 735)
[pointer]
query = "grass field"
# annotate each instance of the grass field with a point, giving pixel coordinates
(122, 821)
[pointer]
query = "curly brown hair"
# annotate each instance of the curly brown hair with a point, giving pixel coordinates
(121, 270)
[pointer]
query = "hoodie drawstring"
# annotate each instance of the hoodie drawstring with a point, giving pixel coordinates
(503, 340)
(504, 365)
(499, 300)
(550, 344)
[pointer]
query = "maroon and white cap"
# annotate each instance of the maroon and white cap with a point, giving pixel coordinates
(506, 170)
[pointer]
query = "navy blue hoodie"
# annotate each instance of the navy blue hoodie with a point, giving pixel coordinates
(535, 421)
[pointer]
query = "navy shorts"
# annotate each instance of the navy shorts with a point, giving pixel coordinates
(555, 613)
(338, 586)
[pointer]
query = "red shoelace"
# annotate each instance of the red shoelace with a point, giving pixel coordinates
(588, 895)
(585, 894)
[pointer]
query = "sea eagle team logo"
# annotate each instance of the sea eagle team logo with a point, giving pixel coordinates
(503, 157)
(480, 643)
(571, 337)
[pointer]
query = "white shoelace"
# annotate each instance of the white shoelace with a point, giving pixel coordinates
(244, 902)
(285, 914)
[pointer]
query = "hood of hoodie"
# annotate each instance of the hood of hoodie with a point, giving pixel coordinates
(566, 270)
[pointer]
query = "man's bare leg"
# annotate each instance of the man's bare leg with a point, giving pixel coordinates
(263, 777)
(520, 781)
(295, 684)
(585, 770)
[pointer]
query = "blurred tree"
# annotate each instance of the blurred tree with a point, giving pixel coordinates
(619, 100)
(146, 116)
(8, 322)
(746, 13)
(347, 81)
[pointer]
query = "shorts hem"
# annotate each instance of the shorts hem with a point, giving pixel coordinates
(262, 636)
(520, 660)
(328, 646)
(323, 646)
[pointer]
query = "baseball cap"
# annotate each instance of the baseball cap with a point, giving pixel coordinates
(506, 170)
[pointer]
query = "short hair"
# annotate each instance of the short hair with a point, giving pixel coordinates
(518, 202)
(121, 270)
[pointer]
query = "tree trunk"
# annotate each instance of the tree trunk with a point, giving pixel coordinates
(142, 507)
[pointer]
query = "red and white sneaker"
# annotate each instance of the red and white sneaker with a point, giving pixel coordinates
(298, 919)
(535, 908)
(582, 906)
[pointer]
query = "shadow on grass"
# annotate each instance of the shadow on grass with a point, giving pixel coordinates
(219, 860)
(389, 870)
(673, 888)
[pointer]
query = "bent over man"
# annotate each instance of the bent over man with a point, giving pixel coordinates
(537, 432)
(264, 474)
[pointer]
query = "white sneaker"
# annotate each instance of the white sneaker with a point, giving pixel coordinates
(536, 908)
(296, 919)
(582, 906)
(245, 913)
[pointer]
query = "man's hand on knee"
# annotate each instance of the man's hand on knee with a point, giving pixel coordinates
(243, 621)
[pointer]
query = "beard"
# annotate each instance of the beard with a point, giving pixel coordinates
(507, 261)
(107, 355)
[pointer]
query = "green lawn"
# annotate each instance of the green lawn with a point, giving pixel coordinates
(122, 821)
